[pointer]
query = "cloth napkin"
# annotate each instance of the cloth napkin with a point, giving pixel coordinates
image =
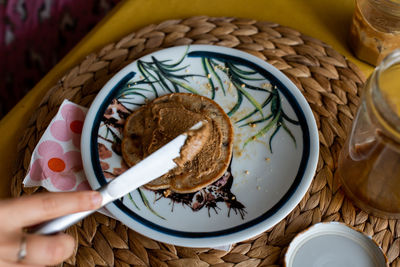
(56, 162)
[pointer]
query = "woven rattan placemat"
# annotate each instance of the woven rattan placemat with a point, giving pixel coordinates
(331, 85)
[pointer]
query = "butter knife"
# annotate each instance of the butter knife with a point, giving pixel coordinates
(150, 168)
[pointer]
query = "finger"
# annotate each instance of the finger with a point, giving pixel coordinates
(10, 247)
(31, 210)
(48, 250)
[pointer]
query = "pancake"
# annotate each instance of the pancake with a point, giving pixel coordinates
(161, 120)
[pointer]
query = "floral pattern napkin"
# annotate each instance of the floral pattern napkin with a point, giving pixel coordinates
(56, 162)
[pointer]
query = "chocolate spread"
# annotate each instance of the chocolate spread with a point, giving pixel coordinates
(195, 141)
(206, 153)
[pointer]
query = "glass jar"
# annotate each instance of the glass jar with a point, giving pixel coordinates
(369, 162)
(375, 29)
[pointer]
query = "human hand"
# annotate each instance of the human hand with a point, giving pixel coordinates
(18, 213)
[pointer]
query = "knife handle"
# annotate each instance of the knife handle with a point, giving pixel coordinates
(61, 223)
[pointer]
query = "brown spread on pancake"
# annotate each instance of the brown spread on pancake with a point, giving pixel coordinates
(206, 153)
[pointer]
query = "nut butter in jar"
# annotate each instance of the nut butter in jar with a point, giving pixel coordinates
(369, 162)
(375, 29)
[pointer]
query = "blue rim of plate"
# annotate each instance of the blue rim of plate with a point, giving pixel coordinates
(266, 215)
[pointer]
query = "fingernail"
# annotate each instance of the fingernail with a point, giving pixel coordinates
(96, 199)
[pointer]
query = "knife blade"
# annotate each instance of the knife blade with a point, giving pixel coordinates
(153, 166)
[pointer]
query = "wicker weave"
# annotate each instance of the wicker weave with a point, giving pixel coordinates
(331, 85)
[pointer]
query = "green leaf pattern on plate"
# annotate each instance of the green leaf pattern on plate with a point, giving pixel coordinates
(162, 74)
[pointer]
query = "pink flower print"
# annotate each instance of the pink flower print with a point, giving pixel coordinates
(71, 126)
(84, 186)
(56, 165)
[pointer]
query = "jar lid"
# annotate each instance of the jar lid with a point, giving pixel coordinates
(333, 244)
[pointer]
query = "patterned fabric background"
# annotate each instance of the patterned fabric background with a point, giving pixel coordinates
(35, 35)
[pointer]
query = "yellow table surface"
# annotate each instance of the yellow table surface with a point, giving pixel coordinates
(327, 20)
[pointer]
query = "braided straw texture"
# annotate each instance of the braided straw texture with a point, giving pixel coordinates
(329, 82)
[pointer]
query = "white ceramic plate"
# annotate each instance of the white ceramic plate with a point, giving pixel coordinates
(275, 147)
